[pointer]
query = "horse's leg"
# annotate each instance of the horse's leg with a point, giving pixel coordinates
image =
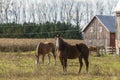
(54, 56)
(87, 64)
(48, 58)
(81, 64)
(62, 63)
(65, 63)
(43, 58)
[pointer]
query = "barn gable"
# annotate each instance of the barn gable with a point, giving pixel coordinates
(107, 21)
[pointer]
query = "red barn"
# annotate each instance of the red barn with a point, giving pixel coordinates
(100, 31)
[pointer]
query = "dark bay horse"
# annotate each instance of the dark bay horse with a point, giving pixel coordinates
(43, 49)
(67, 51)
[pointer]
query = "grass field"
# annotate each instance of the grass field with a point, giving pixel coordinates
(21, 66)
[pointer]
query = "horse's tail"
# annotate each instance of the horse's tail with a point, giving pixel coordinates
(84, 53)
(37, 49)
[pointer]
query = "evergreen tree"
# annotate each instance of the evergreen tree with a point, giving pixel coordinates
(45, 30)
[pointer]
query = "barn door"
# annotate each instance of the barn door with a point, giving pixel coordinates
(112, 39)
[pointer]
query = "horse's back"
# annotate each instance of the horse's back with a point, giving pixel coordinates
(46, 45)
(71, 52)
(44, 48)
(51, 45)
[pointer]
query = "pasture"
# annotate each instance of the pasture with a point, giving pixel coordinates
(21, 66)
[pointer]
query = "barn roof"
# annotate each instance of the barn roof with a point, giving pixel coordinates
(107, 21)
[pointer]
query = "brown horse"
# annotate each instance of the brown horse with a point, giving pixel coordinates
(100, 50)
(68, 51)
(43, 49)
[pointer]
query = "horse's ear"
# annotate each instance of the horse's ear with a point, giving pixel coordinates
(76, 44)
(57, 35)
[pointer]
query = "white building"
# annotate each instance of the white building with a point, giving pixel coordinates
(117, 10)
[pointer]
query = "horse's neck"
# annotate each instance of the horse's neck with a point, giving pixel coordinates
(64, 44)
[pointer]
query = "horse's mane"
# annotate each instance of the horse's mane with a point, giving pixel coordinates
(63, 44)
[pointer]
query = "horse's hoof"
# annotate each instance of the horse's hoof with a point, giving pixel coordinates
(86, 73)
(64, 73)
(48, 63)
(36, 62)
(78, 72)
(55, 63)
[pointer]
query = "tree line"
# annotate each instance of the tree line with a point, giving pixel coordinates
(45, 30)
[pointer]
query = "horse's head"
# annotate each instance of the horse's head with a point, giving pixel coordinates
(58, 41)
(37, 59)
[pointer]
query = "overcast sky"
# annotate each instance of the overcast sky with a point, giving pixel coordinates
(118, 6)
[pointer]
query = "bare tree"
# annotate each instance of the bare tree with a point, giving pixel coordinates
(44, 9)
(32, 11)
(66, 10)
(69, 12)
(24, 17)
(19, 12)
(5, 8)
(1, 11)
(39, 12)
(110, 6)
(99, 6)
(43, 12)
(78, 14)
(54, 11)
(16, 8)
(62, 12)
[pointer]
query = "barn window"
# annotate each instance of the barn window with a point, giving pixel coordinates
(100, 29)
(91, 29)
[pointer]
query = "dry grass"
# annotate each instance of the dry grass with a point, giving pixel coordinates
(21, 66)
(20, 45)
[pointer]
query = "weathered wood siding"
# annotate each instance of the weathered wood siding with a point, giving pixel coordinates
(118, 32)
(118, 25)
(99, 36)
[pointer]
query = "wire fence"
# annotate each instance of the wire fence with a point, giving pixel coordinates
(36, 35)
(41, 32)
